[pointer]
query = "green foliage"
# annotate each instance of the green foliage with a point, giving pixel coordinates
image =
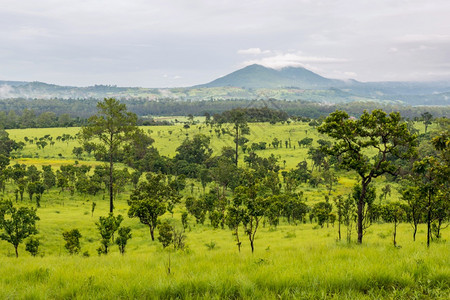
(32, 246)
(110, 127)
(72, 239)
(165, 234)
(124, 234)
(107, 226)
(149, 200)
(387, 135)
(17, 223)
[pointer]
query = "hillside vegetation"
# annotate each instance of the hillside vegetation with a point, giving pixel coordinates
(267, 225)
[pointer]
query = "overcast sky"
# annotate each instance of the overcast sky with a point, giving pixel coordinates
(152, 43)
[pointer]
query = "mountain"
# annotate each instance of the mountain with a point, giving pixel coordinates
(252, 82)
(257, 76)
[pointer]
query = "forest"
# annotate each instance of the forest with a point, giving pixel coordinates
(293, 200)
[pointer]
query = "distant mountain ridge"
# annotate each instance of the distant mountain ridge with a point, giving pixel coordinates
(257, 76)
(251, 82)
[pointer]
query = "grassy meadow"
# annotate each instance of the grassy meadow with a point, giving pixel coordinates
(302, 261)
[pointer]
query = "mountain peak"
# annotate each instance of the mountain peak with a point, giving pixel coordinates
(258, 76)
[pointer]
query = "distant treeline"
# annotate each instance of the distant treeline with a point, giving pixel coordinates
(30, 113)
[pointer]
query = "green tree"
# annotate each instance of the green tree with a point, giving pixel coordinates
(377, 132)
(48, 177)
(32, 246)
(17, 223)
(149, 201)
(165, 234)
(107, 226)
(72, 239)
(394, 212)
(124, 234)
(238, 118)
(415, 207)
(112, 126)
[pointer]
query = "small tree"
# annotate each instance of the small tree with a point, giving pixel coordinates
(415, 207)
(339, 203)
(106, 227)
(122, 239)
(235, 216)
(72, 238)
(17, 223)
(148, 201)
(394, 213)
(32, 246)
(165, 234)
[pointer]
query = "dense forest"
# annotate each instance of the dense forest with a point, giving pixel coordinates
(44, 113)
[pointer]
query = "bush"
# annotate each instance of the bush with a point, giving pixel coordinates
(32, 246)
(72, 239)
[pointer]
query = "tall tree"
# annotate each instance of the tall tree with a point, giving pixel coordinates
(376, 132)
(109, 129)
(238, 118)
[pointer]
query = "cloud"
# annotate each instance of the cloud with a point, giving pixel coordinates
(281, 60)
(253, 51)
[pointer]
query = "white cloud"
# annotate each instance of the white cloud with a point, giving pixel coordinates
(281, 60)
(253, 51)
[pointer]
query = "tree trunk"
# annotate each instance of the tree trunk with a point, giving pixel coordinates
(111, 195)
(429, 220)
(151, 233)
(237, 239)
(339, 229)
(361, 210)
(395, 233)
(17, 253)
(414, 232)
(237, 143)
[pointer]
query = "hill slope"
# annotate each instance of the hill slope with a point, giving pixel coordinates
(257, 76)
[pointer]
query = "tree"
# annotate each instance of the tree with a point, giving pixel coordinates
(235, 216)
(238, 118)
(427, 117)
(339, 203)
(148, 201)
(32, 245)
(255, 205)
(394, 212)
(17, 223)
(107, 226)
(377, 132)
(195, 150)
(165, 234)
(112, 126)
(48, 177)
(72, 238)
(77, 151)
(385, 191)
(122, 239)
(415, 205)
(330, 179)
(432, 183)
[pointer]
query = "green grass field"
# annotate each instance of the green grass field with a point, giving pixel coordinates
(300, 261)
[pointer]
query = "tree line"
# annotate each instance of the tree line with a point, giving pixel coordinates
(44, 113)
